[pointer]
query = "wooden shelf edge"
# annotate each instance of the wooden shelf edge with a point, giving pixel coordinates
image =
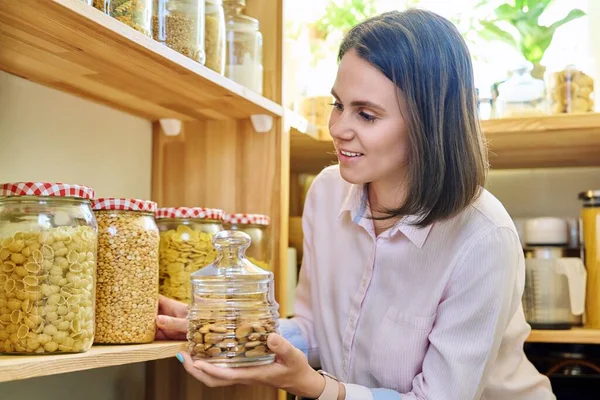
(13, 368)
(542, 123)
(297, 124)
(573, 336)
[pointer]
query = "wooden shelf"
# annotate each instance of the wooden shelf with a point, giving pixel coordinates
(71, 46)
(14, 368)
(540, 142)
(575, 336)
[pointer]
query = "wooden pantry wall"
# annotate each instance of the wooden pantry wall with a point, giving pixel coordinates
(48, 135)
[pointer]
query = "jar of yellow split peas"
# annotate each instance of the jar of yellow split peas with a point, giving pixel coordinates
(257, 227)
(48, 241)
(185, 246)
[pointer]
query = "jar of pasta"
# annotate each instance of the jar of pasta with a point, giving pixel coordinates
(127, 274)
(185, 246)
(257, 227)
(214, 38)
(48, 239)
(570, 90)
(135, 13)
(234, 308)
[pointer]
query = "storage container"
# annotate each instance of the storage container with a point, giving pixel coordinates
(214, 39)
(243, 63)
(590, 240)
(185, 246)
(570, 90)
(127, 283)
(234, 308)
(521, 95)
(135, 13)
(257, 227)
(48, 239)
(179, 24)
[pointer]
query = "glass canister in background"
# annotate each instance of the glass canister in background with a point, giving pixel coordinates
(257, 227)
(214, 36)
(179, 24)
(234, 308)
(590, 239)
(570, 91)
(48, 239)
(127, 273)
(135, 13)
(243, 63)
(521, 95)
(185, 246)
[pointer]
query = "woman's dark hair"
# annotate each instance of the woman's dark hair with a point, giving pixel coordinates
(427, 58)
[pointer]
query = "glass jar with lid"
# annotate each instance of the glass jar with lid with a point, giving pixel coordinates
(127, 272)
(48, 240)
(257, 227)
(234, 308)
(243, 63)
(135, 13)
(179, 24)
(214, 36)
(185, 246)
(590, 243)
(570, 90)
(521, 95)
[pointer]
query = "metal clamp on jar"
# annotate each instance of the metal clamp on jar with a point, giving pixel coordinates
(234, 308)
(554, 296)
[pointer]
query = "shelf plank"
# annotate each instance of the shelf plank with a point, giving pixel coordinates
(14, 368)
(72, 47)
(539, 142)
(575, 336)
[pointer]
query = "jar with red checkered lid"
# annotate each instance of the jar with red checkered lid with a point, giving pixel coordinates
(257, 226)
(185, 246)
(127, 287)
(48, 241)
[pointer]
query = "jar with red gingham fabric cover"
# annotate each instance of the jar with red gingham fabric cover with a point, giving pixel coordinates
(48, 242)
(257, 226)
(185, 246)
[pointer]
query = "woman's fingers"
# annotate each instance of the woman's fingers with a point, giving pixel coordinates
(173, 308)
(200, 375)
(171, 328)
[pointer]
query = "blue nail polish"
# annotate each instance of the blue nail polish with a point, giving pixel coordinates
(179, 357)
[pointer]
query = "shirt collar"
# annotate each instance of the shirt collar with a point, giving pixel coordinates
(356, 203)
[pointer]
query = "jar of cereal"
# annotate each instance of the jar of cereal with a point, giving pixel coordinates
(48, 239)
(135, 13)
(127, 284)
(185, 246)
(257, 227)
(214, 37)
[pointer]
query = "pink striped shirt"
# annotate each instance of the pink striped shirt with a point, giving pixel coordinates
(432, 313)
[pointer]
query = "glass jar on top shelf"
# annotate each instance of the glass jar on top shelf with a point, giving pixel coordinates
(214, 37)
(257, 227)
(521, 95)
(185, 246)
(243, 62)
(127, 284)
(570, 90)
(179, 24)
(135, 13)
(234, 308)
(48, 246)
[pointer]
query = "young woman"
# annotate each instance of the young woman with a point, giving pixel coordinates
(412, 276)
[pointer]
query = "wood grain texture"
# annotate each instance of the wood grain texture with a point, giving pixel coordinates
(575, 335)
(14, 368)
(70, 46)
(540, 142)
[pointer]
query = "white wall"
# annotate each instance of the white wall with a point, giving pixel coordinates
(47, 135)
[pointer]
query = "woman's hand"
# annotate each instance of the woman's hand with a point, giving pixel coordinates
(290, 371)
(171, 322)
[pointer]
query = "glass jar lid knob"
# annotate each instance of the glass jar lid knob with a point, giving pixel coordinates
(231, 239)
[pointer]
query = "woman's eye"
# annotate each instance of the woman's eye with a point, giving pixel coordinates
(367, 117)
(338, 106)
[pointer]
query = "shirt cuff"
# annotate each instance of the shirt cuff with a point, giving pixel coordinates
(291, 332)
(385, 394)
(357, 392)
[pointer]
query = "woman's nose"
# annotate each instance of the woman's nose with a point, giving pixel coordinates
(339, 126)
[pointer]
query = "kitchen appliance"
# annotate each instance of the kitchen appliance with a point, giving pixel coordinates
(554, 296)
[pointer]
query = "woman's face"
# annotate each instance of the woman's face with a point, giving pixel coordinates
(366, 124)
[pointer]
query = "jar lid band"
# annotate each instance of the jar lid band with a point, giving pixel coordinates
(190, 212)
(251, 219)
(112, 203)
(46, 189)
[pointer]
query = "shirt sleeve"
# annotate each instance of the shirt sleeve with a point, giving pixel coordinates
(479, 301)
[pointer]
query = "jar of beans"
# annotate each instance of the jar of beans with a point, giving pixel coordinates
(185, 246)
(234, 308)
(48, 239)
(127, 286)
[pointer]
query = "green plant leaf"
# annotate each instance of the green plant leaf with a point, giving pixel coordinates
(573, 14)
(506, 12)
(492, 32)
